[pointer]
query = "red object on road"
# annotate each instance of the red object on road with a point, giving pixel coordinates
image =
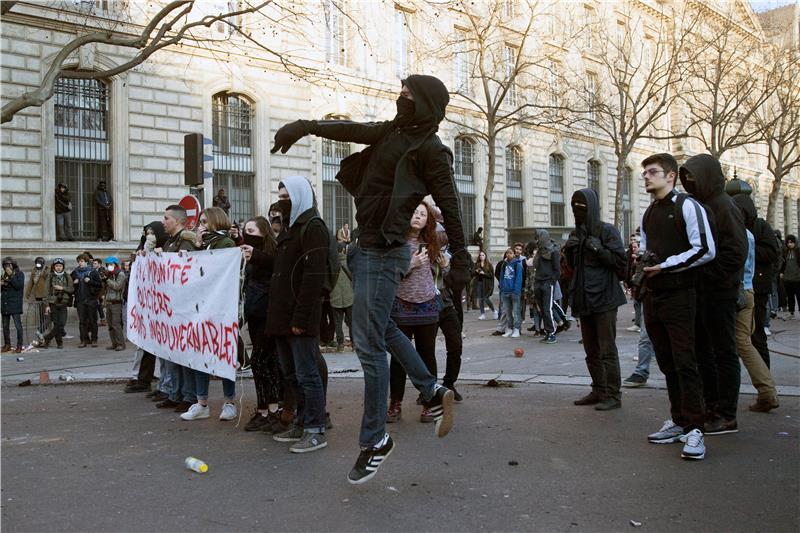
(192, 206)
(519, 352)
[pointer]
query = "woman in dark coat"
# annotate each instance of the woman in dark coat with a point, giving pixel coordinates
(483, 275)
(13, 284)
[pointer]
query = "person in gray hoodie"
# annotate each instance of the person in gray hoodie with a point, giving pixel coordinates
(548, 272)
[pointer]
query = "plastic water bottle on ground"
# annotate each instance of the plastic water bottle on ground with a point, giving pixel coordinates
(193, 463)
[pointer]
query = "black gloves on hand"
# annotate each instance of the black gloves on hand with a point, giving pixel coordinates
(460, 268)
(593, 244)
(289, 134)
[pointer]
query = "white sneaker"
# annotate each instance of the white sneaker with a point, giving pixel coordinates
(195, 412)
(496, 317)
(695, 446)
(515, 334)
(767, 331)
(634, 328)
(508, 333)
(228, 411)
(482, 317)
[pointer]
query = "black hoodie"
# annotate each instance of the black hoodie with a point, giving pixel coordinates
(596, 253)
(722, 276)
(767, 248)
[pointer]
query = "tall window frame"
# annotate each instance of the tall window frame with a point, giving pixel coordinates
(464, 167)
(555, 172)
(626, 195)
(515, 214)
(594, 172)
(336, 32)
(234, 162)
(403, 23)
(462, 63)
(337, 204)
(510, 60)
(787, 215)
(83, 147)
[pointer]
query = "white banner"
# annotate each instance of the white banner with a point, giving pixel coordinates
(184, 307)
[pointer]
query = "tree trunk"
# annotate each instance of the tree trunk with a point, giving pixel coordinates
(774, 196)
(621, 158)
(488, 192)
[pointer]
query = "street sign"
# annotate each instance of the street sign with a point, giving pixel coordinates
(192, 207)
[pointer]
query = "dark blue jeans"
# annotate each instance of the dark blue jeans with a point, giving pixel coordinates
(202, 381)
(298, 360)
(376, 275)
(7, 328)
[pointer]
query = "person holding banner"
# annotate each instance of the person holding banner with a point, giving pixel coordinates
(295, 309)
(212, 233)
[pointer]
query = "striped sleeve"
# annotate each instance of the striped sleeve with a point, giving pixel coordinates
(698, 231)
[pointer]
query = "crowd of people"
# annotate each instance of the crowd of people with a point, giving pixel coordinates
(701, 271)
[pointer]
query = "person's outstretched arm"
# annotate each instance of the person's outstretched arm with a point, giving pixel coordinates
(336, 130)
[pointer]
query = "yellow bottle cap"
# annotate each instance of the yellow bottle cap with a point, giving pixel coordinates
(203, 468)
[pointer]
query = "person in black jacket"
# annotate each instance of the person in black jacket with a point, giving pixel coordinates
(715, 344)
(87, 287)
(548, 272)
(595, 251)
(103, 203)
(295, 308)
(405, 161)
(767, 251)
(63, 208)
(13, 285)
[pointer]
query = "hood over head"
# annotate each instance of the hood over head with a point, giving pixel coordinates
(748, 208)
(707, 172)
(301, 195)
(10, 261)
(592, 202)
(430, 101)
(544, 244)
(159, 232)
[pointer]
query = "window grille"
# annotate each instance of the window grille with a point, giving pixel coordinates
(556, 173)
(514, 201)
(464, 164)
(337, 205)
(593, 176)
(232, 117)
(627, 206)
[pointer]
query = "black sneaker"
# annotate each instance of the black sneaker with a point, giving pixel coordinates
(137, 386)
(441, 407)
(456, 396)
(720, 426)
(635, 380)
(256, 422)
(494, 333)
(368, 463)
(549, 339)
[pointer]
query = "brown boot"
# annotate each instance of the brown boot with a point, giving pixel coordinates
(764, 405)
(19, 349)
(6, 348)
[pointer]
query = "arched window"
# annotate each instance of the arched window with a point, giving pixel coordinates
(464, 164)
(627, 205)
(556, 174)
(593, 175)
(337, 206)
(83, 149)
(232, 118)
(514, 201)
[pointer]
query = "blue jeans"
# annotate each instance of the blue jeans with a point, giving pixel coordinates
(202, 380)
(298, 360)
(376, 275)
(483, 300)
(165, 383)
(646, 351)
(510, 303)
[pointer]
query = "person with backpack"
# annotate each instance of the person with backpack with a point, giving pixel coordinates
(295, 307)
(60, 291)
(404, 162)
(88, 287)
(676, 232)
(595, 251)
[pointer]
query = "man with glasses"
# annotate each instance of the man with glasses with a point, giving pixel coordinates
(676, 237)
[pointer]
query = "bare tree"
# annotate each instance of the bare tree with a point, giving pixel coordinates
(176, 22)
(634, 74)
(729, 84)
(502, 72)
(779, 120)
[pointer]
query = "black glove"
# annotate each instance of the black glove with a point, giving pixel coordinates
(573, 241)
(593, 244)
(289, 134)
(460, 268)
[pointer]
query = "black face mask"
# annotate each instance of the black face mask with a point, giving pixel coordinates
(579, 212)
(285, 207)
(690, 186)
(405, 109)
(253, 240)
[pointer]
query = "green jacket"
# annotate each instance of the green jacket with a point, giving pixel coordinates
(62, 297)
(115, 288)
(342, 293)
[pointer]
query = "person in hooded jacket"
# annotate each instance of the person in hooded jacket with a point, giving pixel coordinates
(103, 203)
(767, 251)
(87, 286)
(295, 308)
(36, 293)
(718, 289)
(595, 252)
(548, 272)
(790, 274)
(63, 206)
(13, 284)
(405, 161)
(59, 299)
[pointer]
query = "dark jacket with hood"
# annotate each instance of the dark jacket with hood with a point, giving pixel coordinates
(596, 253)
(405, 161)
(86, 291)
(159, 233)
(720, 277)
(215, 240)
(258, 274)
(547, 261)
(63, 203)
(767, 249)
(295, 292)
(12, 289)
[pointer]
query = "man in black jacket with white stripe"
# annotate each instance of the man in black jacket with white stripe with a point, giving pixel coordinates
(676, 229)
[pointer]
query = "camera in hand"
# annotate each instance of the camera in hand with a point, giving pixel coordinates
(103, 273)
(645, 258)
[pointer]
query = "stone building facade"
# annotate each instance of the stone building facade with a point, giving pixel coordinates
(128, 130)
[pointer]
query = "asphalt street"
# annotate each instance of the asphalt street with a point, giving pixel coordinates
(89, 458)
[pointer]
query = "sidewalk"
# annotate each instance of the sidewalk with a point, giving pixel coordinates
(485, 357)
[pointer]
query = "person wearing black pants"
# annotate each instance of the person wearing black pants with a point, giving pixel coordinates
(715, 334)
(424, 337)
(595, 251)
(87, 285)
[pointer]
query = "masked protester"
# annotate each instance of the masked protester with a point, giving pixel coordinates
(115, 287)
(59, 299)
(36, 294)
(103, 203)
(548, 271)
(13, 283)
(405, 161)
(595, 251)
